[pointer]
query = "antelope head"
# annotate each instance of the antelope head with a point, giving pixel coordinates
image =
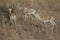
(10, 10)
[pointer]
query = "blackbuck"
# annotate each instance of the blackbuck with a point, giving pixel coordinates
(46, 19)
(12, 16)
(29, 12)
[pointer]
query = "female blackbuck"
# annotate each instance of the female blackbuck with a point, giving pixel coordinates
(28, 12)
(12, 16)
(46, 19)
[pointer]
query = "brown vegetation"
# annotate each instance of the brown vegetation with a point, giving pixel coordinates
(31, 29)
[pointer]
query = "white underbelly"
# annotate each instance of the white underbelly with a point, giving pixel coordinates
(46, 20)
(13, 17)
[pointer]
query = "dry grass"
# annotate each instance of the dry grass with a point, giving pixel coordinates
(30, 29)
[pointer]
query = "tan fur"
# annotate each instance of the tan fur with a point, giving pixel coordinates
(48, 17)
(13, 17)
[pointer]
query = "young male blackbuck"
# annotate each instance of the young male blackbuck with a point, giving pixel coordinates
(28, 12)
(12, 16)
